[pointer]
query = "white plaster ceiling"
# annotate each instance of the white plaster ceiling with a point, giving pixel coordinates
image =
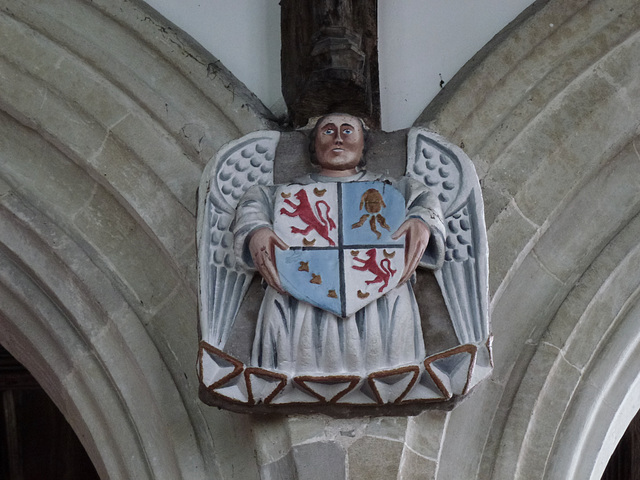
(421, 42)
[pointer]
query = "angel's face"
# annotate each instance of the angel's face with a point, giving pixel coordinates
(339, 144)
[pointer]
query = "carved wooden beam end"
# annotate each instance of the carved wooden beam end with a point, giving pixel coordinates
(330, 59)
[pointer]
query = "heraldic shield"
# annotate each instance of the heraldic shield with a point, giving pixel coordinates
(341, 254)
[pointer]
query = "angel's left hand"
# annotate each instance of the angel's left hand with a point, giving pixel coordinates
(417, 238)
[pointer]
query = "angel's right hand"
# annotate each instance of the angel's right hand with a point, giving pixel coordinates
(262, 247)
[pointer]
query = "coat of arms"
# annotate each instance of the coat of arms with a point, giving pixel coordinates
(341, 254)
(336, 332)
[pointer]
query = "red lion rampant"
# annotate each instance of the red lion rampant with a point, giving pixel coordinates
(322, 224)
(383, 271)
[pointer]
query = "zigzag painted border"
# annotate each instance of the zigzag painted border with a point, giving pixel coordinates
(441, 381)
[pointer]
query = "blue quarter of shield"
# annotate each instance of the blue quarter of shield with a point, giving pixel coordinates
(368, 218)
(312, 276)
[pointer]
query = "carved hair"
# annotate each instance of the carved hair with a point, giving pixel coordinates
(314, 131)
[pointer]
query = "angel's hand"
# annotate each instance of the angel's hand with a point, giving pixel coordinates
(417, 238)
(262, 247)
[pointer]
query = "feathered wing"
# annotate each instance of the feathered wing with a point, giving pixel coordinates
(223, 281)
(463, 278)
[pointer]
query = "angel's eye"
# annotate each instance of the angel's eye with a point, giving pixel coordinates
(347, 131)
(329, 131)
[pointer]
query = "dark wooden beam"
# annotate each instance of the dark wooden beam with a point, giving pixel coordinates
(330, 59)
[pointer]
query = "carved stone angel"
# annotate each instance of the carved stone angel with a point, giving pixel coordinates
(339, 329)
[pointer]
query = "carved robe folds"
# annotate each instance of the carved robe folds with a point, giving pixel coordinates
(296, 337)
(305, 359)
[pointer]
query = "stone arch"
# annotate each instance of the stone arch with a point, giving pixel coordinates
(107, 117)
(554, 136)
